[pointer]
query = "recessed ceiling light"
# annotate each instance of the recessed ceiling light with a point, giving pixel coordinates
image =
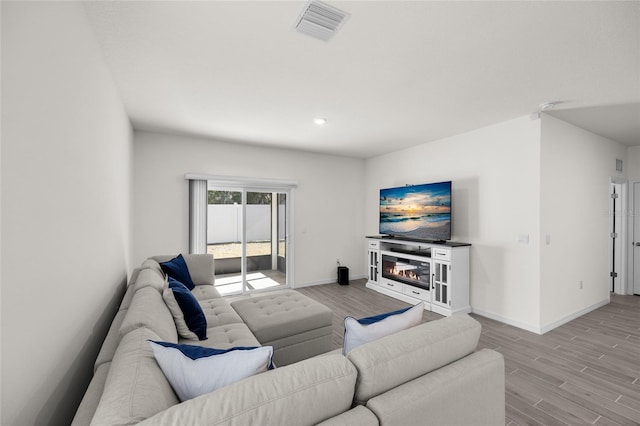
(320, 121)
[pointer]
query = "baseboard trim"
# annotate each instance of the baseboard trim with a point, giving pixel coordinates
(550, 326)
(327, 281)
(505, 320)
(545, 328)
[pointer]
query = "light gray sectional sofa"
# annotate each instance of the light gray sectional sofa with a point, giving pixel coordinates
(428, 374)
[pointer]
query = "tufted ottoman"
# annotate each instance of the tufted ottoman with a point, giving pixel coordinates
(296, 326)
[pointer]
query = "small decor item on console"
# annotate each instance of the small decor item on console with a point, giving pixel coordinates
(196, 370)
(177, 269)
(360, 331)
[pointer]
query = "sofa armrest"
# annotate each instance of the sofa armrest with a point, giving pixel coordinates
(469, 391)
(358, 416)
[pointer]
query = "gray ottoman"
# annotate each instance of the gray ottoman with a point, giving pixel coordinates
(296, 326)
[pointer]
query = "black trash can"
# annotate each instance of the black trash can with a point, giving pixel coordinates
(343, 275)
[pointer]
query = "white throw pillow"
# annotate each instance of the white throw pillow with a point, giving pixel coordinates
(195, 370)
(364, 330)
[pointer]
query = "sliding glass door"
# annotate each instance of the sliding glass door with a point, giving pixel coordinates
(247, 233)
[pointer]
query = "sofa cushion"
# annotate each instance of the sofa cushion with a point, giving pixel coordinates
(128, 295)
(150, 278)
(194, 370)
(205, 292)
(135, 387)
(110, 342)
(177, 269)
(218, 312)
(396, 359)
(152, 264)
(358, 332)
(91, 398)
(227, 336)
(304, 393)
(149, 310)
(201, 267)
(192, 324)
(134, 275)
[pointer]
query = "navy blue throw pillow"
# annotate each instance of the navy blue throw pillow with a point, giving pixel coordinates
(193, 315)
(177, 268)
(380, 317)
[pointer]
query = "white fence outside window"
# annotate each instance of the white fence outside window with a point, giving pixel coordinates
(224, 223)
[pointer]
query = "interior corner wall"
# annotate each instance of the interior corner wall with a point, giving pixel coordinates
(576, 167)
(495, 176)
(328, 205)
(66, 208)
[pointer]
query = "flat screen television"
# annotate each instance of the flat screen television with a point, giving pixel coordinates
(417, 212)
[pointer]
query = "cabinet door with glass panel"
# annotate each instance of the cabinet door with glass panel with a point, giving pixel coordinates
(373, 259)
(441, 278)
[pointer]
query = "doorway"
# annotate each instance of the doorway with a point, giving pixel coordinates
(247, 234)
(634, 236)
(616, 237)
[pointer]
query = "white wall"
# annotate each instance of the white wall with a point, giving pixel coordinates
(66, 210)
(496, 189)
(328, 207)
(576, 167)
(632, 165)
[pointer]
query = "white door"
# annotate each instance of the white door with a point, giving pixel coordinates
(617, 237)
(636, 237)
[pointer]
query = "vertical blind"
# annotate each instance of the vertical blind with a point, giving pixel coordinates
(197, 216)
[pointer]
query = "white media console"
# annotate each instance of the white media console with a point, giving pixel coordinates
(415, 271)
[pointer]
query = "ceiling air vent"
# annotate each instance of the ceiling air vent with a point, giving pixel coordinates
(320, 20)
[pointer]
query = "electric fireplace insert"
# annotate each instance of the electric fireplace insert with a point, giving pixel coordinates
(405, 270)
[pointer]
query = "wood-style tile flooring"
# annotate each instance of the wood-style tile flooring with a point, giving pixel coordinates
(584, 372)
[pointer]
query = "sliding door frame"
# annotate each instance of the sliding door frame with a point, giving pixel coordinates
(274, 221)
(274, 186)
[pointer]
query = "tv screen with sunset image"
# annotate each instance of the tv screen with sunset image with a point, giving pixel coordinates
(418, 211)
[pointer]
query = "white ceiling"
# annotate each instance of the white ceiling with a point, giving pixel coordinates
(398, 74)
